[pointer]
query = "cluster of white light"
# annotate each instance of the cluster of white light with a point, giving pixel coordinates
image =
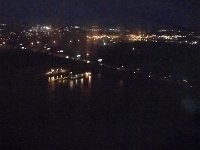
(39, 28)
(97, 37)
(156, 38)
(134, 37)
(60, 51)
(78, 56)
(100, 60)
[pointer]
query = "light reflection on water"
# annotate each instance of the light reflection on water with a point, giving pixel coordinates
(121, 84)
(71, 85)
(82, 83)
(89, 81)
(51, 84)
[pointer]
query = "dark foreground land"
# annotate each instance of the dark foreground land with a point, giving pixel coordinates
(108, 111)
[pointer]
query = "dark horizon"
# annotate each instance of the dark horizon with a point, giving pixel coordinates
(139, 14)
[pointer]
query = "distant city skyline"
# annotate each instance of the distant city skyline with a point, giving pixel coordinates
(128, 13)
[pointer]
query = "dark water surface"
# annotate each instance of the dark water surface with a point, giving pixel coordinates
(101, 112)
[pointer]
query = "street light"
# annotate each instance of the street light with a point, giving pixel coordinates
(100, 60)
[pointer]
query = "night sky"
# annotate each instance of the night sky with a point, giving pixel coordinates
(132, 13)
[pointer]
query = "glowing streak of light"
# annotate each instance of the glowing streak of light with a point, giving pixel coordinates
(71, 85)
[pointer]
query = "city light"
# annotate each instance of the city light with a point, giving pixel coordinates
(100, 60)
(100, 74)
(185, 81)
(48, 28)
